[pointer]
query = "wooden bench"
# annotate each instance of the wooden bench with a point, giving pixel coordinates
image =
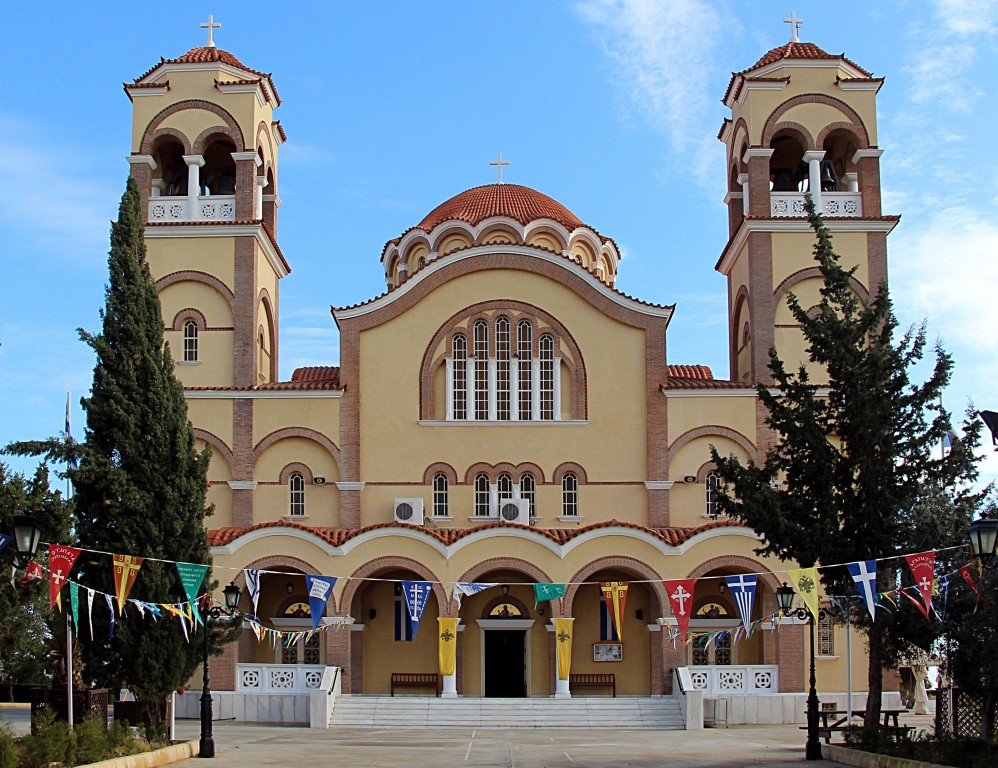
(593, 680)
(416, 680)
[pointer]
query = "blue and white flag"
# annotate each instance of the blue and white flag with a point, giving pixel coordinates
(253, 585)
(416, 593)
(864, 573)
(110, 606)
(319, 590)
(5, 540)
(72, 463)
(942, 584)
(469, 588)
(743, 591)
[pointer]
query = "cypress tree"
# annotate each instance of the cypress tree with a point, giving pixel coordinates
(857, 455)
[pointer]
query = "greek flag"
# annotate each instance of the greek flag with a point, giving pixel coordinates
(253, 585)
(864, 573)
(743, 591)
(468, 588)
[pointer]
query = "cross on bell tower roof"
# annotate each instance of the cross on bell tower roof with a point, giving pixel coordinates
(210, 26)
(793, 21)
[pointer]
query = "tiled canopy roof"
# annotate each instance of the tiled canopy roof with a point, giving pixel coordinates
(512, 200)
(313, 373)
(696, 377)
(207, 55)
(691, 371)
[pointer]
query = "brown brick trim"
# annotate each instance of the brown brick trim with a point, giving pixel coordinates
(813, 272)
(703, 470)
(706, 431)
(145, 145)
(189, 313)
(840, 126)
(264, 300)
(263, 130)
(617, 563)
(479, 468)
(815, 98)
(798, 131)
(295, 466)
(740, 130)
(525, 467)
(201, 143)
(371, 569)
(303, 432)
(569, 466)
(439, 468)
(533, 572)
(163, 133)
(735, 324)
(269, 563)
(194, 276)
(217, 445)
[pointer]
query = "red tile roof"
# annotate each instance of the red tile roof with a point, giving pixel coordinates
(315, 373)
(220, 537)
(206, 55)
(696, 377)
(690, 371)
(512, 200)
(791, 50)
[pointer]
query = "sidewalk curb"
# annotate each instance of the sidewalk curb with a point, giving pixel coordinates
(164, 756)
(860, 759)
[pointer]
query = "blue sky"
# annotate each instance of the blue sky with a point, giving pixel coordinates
(610, 106)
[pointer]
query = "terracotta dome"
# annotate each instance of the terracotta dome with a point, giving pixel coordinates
(512, 200)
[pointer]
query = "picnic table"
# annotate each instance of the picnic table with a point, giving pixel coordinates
(832, 720)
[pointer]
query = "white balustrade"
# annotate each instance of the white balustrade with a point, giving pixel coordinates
(834, 204)
(717, 679)
(278, 678)
(176, 209)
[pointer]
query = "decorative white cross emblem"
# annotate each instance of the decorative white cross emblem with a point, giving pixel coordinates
(500, 162)
(925, 585)
(58, 577)
(793, 21)
(210, 26)
(680, 595)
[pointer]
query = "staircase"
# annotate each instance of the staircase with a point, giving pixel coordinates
(358, 711)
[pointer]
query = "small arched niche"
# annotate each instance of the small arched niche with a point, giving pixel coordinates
(218, 176)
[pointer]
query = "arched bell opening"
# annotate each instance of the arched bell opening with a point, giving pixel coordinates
(838, 171)
(170, 176)
(218, 176)
(787, 170)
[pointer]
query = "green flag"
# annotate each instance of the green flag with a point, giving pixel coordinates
(191, 576)
(74, 602)
(544, 592)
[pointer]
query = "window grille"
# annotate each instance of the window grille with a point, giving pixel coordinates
(190, 342)
(527, 491)
(297, 489)
(524, 352)
(570, 495)
(547, 378)
(459, 349)
(481, 370)
(482, 496)
(440, 496)
(502, 369)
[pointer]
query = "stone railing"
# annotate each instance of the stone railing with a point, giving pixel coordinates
(207, 208)
(278, 678)
(723, 679)
(833, 204)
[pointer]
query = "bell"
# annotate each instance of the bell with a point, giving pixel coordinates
(829, 180)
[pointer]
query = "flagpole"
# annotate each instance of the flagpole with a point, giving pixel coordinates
(69, 672)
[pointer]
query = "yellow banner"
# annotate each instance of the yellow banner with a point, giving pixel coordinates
(805, 580)
(615, 597)
(563, 642)
(447, 645)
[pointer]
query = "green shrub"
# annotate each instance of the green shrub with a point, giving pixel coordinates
(91, 741)
(8, 746)
(49, 742)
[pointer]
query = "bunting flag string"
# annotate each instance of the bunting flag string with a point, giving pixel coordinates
(680, 591)
(742, 589)
(126, 570)
(923, 568)
(416, 594)
(253, 585)
(319, 590)
(615, 598)
(61, 561)
(469, 588)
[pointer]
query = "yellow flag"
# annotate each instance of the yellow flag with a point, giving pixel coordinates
(563, 642)
(615, 597)
(447, 645)
(806, 582)
(126, 568)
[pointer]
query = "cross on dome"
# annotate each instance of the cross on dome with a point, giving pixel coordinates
(793, 21)
(210, 26)
(500, 162)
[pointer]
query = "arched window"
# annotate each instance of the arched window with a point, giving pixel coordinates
(421, 263)
(440, 496)
(547, 378)
(190, 342)
(482, 496)
(502, 369)
(713, 485)
(527, 491)
(826, 634)
(460, 373)
(569, 495)
(481, 370)
(505, 487)
(524, 352)
(296, 484)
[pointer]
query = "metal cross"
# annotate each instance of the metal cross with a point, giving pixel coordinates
(210, 26)
(680, 596)
(794, 23)
(500, 162)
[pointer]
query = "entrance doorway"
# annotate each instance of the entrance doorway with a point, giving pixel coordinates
(505, 663)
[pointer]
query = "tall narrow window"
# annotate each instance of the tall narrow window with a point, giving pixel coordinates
(569, 495)
(547, 378)
(481, 370)
(482, 496)
(505, 486)
(296, 485)
(713, 485)
(524, 351)
(190, 342)
(502, 369)
(440, 496)
(403, 624)
(826, 634)
(459, 354)
(528, 491)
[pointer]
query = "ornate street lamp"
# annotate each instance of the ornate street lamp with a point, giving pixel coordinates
(983, 535)
(785, 601)
(27, 535)
(232, 594)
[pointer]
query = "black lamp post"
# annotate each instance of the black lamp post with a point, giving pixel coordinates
(27, 535)
(232, 594)
(983, 538)
(785, 601)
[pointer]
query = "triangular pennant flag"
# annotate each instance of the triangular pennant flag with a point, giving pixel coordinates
(468, 588)
(923, 568)
(417, 594)
(126, 568)
(544, 592)
(680, 593)
(90, 610)
(253, 585)
(110, 606)
(965, 572)
(942, 585)
(319, 590)
(74, 605)
(32, 573)
(864, 573)
(806, 581)
(743, 591)
(61, 561)
(257, 630)
(917, 603)
(191, 577)
(615, 597)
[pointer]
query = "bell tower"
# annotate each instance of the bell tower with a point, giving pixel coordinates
(802, 120)
(204, 154)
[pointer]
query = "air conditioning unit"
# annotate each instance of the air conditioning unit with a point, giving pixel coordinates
(409, 511)
(515, 511)
(319, 480)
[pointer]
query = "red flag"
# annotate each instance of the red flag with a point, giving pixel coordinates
(61, 560)
(680, 592)
(32, 573)
(615, 597)
(923, 568)
(965, 572)
(917, 603)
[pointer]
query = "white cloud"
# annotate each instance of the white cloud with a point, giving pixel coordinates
(968, 17)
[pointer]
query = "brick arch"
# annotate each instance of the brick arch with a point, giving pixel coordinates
(512, 564)
(810, 272)
(232, 126)
(196, 276)
(303, 432)
(263, 299)
(391, 562)
(815, 98)
(216, 443)
(840, 126)
(705, 469)
(262, 131)
(707, 430)
(740, 129)
(569, 466)
(503, 226)
(175, 133)
(528, 466)
(201, 142)
(802, 134)
(440, 468)
(619, 563)
(189, 313)
(479, 468)
(284, 477)
(270, 561)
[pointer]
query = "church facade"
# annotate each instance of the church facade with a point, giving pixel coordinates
(501, 413)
